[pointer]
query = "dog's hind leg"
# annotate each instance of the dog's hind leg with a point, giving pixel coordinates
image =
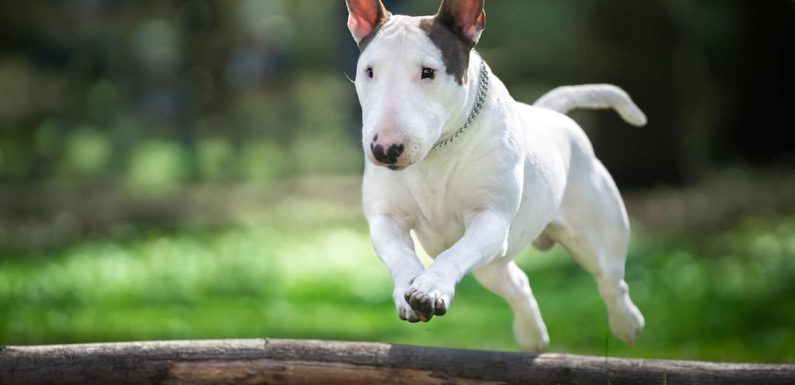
(509, 282)
(595, 231)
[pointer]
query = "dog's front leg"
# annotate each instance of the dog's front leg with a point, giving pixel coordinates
(392, 242)
(484, 240)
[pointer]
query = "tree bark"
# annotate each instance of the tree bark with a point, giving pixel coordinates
(260, 361)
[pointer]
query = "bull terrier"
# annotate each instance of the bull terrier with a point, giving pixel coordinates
(477, 175)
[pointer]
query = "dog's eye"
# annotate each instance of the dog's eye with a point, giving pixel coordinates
(369, 72)
(428, 73)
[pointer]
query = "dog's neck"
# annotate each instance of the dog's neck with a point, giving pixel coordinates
(460, 115)
(480, 99)
(480, 138)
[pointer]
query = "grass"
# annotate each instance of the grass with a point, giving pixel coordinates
(725, 296)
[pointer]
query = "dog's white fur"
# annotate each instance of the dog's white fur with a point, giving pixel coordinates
(520, 175)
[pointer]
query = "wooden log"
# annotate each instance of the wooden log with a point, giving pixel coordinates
(299, 362)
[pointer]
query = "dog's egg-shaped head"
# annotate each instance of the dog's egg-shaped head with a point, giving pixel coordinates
(411, 76)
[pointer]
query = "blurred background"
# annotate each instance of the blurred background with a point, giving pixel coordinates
(191, 169)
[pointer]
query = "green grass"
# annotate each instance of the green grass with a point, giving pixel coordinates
(725, 296)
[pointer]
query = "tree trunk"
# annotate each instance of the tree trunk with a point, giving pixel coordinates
(324, 362)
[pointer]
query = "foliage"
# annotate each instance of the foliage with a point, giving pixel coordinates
(230, 86)
(728, 298)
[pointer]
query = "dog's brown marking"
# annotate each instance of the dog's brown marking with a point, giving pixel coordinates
(455, 49)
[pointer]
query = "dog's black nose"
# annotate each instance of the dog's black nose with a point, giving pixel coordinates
(389, 156)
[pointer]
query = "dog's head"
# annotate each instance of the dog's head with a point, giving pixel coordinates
(411, 76)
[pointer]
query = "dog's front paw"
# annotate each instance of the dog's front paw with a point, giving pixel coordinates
(429, 294)
(427, 304)
(404, 310)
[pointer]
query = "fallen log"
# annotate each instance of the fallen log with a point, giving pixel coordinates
(269, 361)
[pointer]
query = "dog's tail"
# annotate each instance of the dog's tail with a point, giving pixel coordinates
(593, 96)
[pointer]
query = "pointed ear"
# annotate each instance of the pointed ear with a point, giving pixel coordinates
(465, 17)
(364, 16)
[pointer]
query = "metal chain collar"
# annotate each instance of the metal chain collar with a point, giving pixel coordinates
(483, 91)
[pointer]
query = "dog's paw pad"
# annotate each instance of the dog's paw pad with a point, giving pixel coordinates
(412, 316)
(420, 302)
(426, 305)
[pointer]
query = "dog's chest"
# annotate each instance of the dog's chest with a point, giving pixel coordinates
(439, 201)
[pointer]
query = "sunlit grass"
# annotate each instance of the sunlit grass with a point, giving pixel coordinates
(728, 297)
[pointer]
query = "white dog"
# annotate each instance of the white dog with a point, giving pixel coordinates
(477, 175)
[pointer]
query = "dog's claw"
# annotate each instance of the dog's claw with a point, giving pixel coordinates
(408, 294)
(441, 307)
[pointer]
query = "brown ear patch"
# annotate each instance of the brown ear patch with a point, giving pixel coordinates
(455, 50)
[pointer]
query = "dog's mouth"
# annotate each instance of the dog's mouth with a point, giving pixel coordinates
(400, 166)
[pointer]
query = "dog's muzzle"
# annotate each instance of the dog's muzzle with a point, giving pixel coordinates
(389, 153)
